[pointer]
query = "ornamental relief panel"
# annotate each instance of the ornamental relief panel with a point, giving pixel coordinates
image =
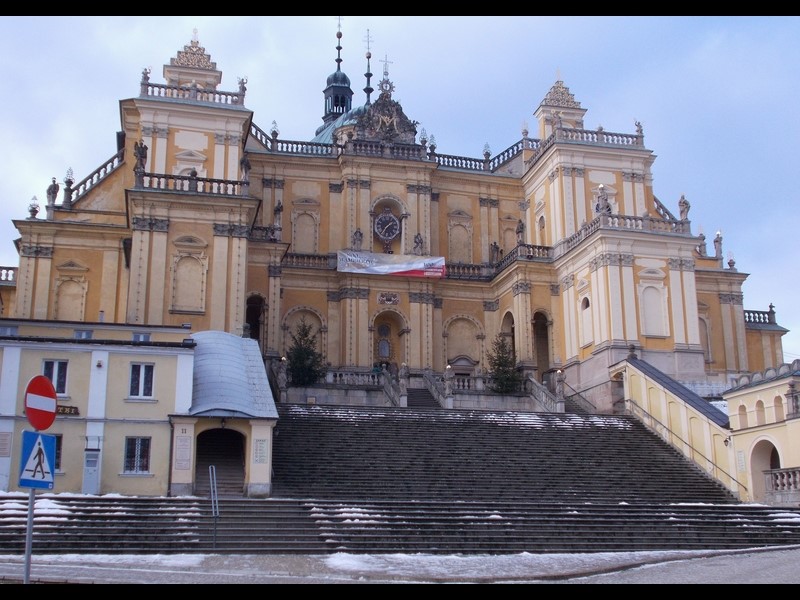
(388, 298)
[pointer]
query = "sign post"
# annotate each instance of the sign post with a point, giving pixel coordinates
(38, 450)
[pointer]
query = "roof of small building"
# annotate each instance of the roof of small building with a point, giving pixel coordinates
(230, 378)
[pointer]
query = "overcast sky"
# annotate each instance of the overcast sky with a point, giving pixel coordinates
(715, 96)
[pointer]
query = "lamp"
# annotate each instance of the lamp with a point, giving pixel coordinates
(222, 423)
(727, 441)
(99, 364)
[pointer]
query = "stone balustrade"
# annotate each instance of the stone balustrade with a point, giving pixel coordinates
(8, 275)
(193, 93)
(188, 183)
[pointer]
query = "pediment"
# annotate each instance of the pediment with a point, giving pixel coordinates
(652, 273)
(306, 202)
(190, 241)
(72, 265)
(190, 156)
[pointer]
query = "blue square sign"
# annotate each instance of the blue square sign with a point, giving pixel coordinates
(38, 460)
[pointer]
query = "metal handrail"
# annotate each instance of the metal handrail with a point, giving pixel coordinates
(672, 435)
(212, 476)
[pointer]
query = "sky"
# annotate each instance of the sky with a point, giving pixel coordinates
(713, 94)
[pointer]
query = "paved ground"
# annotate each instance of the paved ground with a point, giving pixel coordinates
(756, 566)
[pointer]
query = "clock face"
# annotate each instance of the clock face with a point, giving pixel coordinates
(387, 226)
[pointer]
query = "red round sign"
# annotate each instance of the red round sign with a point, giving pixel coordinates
(40, 402)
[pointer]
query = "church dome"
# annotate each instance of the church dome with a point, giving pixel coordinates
(338, 78)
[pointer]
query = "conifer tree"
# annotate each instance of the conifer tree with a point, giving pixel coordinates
(305, 362)
(502, 365)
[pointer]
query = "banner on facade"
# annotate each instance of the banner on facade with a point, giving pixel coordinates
(370, 263)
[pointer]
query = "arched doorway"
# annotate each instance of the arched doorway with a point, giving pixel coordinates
(388, 343)
(254, 317)
(763, 457)
(222, 448)
(507, 331)
(541, 345)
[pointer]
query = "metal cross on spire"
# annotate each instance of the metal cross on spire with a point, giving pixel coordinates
(386, 62)
(368, 40)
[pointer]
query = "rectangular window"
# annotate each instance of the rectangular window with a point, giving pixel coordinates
(10, 331)
(141, 380)
(56, 372)
(137, 455)
(141, 337)
(59, 439)
(83, 334)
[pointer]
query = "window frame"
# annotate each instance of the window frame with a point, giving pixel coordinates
(59, 383)
(145, 370)
(137, 455)
(59, 438)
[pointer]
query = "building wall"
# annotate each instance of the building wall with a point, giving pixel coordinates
(96, 412)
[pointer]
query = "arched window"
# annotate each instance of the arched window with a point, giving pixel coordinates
(780, 415)
(653, 311)
(586, 322)
(742, 416)
(760, 413)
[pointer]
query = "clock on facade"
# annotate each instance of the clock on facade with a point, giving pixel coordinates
(387, 226)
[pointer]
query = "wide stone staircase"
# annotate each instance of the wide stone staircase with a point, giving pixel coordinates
(416, 480)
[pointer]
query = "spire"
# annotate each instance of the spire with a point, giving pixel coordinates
(339, 46)
(369, 89)
(338, 95)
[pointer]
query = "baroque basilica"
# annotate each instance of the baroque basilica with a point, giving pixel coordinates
(396, 254)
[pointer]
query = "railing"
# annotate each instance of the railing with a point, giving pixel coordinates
(393, 150)
(695, 455)
(212, 477)
(645, 223)
(663, 211)
(580, 400)
(83, 186)
(512, 151)
(346, 377)
(525, 252)
(8, 275)
(186, 92)
(783, 480)
(760, 316)
(544, 397)
(314, 148)
(391, 390)
(469, 271)
(619, 222)
(422, 152)
(261, 136)
(435, 386)
(309, 261)
(187, 183)
(584, 136)
(459, 162)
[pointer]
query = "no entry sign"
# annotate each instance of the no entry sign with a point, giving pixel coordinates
(40, 402)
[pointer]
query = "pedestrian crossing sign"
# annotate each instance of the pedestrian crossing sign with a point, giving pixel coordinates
(38, 459)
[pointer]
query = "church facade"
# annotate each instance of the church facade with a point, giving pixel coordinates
(395, 253)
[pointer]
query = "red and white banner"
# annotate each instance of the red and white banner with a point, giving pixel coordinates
(370, 263)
